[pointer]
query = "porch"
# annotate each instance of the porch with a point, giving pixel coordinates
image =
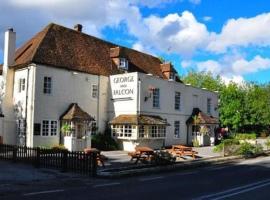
(76, 128)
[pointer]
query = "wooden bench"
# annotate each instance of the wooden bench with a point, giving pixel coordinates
(180, 150)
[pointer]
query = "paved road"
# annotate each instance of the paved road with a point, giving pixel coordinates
(249, 179)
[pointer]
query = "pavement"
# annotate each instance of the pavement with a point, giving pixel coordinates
(121, 159)
(247, 179)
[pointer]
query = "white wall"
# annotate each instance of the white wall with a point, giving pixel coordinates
(67, 87)
(167, 100)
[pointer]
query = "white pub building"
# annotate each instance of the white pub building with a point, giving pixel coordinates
(63, 85)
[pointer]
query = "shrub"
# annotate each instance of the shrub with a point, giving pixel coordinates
(245, 136)
(267, 143)
(59, 147)
(227, 142)
(163, 158)
(195, 143)
(104, 142)
(246, 149)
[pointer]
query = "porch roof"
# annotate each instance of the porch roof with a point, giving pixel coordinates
(139, 120)
(75, 113)
(203, 118)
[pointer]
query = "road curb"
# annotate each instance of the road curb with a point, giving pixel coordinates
(123, 172)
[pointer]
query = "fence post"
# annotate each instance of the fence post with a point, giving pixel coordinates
(37, 160)
(64, 160)
(93, 164)
(14, 154)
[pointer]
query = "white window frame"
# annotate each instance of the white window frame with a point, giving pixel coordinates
(52, 128)
(47, 85)
(177, 129)
(209, 105)
(94, 91)
(156, 98)
(21, 84)
(177, 101)
(123, 63)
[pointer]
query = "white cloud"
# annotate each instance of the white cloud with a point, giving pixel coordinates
(207, 18)
(242, 32)
(174, 33)
(243, 66)
(233, 69)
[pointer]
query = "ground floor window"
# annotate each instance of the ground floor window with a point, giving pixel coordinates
(195, 130)
(142, 132)
(123, 131)
(94, 128)
(177, 129)
(49, 128)
(157, 131)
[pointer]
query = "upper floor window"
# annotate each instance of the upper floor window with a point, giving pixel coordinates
(156, 103)
(209, 102)
(172, 76)
(21, 84)
(177, 129)
(177, 101)
(47, 85)
(94, 91)
(123, 63)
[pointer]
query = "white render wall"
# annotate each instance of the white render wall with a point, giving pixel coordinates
(139, 105)
(67, 87)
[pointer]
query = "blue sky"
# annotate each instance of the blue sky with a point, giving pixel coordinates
(227, 37)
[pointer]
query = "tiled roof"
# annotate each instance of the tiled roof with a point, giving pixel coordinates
(66, 48)
(202, 118)
(139, 120)
(75, 113)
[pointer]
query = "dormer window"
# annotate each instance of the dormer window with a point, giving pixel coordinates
(123, 63)
(172, 76)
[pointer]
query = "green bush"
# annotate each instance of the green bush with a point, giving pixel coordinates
(195, 143)
(59, 147)
(246, 149)
(227, 142)
(267, 143)
(104, 142)
(245, 136)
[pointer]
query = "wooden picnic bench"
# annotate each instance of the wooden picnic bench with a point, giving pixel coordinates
(141, 154)
(181, 150)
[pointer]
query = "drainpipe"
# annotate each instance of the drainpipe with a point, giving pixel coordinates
(98, 101)
(26, 106)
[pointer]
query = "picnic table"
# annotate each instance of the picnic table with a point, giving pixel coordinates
(100, 159)
(181, 150)
(142, 154)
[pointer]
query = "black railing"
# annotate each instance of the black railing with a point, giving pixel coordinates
(80, 162)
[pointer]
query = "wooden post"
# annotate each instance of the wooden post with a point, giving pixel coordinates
(93, 164)
(37, 160)
(64, 160)
(14, 154)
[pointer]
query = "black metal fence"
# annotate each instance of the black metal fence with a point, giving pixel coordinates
(84, 163)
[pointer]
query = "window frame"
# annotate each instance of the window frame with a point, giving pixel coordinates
(156, 98)
(50, 128)
(21, 85)
(177, 101)
(177, 125)
(47, 85)
(209, 105)
(94, 92)
(123, 63)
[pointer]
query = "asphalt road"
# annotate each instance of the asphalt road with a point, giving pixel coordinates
(249, 179)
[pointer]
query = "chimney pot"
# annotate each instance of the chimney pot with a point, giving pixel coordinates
(78, 27)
